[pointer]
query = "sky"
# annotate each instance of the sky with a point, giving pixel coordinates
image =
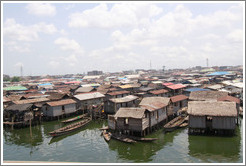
(70, 38)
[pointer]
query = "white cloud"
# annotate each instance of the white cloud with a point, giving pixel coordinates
(19, 32)
(120, 15)
(41, 9)
(13, 46)
(54, 64)
(235, 36)
(69, 45)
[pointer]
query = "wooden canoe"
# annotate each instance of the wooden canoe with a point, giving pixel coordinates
(142, 139)
(70, 128)
(174, 124)
(106, 135)
(74, 119)
(183, 125)
(122, 138)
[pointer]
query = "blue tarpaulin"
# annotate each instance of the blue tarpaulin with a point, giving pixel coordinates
(44, 84)
(196, 89)
(218, 73)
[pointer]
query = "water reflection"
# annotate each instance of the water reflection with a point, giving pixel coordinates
(214, 148)
(22, 137)
(142, 151)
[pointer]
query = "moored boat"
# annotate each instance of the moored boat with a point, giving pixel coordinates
(185, 124)
(75, 118)
(142, 139)
(174, 124)
(106, 135)
(70, 128)
(122, 138)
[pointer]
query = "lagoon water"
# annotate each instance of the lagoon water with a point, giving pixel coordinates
(88, 146)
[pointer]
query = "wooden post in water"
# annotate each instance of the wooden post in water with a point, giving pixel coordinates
(30, 121)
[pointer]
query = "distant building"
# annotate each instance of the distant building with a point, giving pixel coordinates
(94, 72)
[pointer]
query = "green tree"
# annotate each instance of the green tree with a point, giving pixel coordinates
(15, 79)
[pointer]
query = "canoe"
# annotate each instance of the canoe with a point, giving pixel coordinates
(183, 125)
(174, 124)
(70, 128)
(104, 128)
(142, 139)
(122, 138)
(74, 119)
(106, 135)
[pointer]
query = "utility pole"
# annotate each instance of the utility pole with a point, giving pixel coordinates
(207, 62)
(150, 65)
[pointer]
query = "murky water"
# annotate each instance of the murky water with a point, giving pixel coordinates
(87, 145)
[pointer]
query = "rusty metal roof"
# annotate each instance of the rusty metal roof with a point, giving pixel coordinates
(178, 98)
(137, 113)
(61, 102)
(153, 106)
(229, 98)
(37, 100)
(176, 86)
(118, 93)
(160, 91)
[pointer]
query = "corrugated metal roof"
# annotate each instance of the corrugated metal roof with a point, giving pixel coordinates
(151, 100)
(153, 106)
(61, 102)
(207, 95)
(124, 99)
(212, 108)
(31, 101)
(137, 113)
(118, 93)
(215, 87)
(167, 83)
(84, 89)
(88, 96)
(161, 91)
(229, 98)
(176, 86)
(14, 88)
(125, 86)
(178, 98)
(19, 107)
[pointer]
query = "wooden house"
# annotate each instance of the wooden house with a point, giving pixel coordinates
(179, 102)
(20, 115)
(117, 94)
(59, 108)
(114, 104)
(129, 120)
(160, 93)
(87, 100)
(58, 96)
(159, 107)
(6, 102)
(175, 89)
(232, 99)
(212, 116)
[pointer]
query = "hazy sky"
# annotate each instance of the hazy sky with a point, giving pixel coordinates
(64, 38)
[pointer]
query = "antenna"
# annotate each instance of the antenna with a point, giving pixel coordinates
(21, 70)
(150, 65)
(207, 62)
(163, 68)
